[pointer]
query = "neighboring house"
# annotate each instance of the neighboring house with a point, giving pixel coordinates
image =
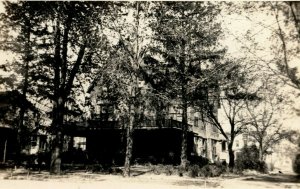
(10, 103)
(156, 138)
(240, 141)
(282, 156)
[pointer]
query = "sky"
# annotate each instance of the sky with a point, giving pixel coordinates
(236, 27)
(260, 27)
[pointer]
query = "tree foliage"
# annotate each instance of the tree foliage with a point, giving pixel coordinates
(264, 119)
(186, 49)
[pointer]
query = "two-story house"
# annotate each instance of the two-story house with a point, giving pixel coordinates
(157, 135)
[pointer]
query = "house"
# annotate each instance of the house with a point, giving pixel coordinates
(10, 103)
(7, 144)
(157, 135)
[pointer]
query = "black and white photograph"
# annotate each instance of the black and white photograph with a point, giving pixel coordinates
(149, 94)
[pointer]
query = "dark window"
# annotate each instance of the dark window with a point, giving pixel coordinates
(106, 110)
(196, 120)
(33, 141)
(214, 128)
(223, 146)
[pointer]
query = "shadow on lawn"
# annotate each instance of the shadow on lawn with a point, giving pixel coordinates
(277, 178)
(23, 174)
(201, 183)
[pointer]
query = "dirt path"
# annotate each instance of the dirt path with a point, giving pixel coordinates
(148, 181)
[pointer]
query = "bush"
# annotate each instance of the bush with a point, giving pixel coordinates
(95, 168)
(194, 171)
(262, 167)
(215, 170)
(169, 170)
(296, 164)
(211, 170)
(181, 171)
(163, 169)
(248, 158)
(198, 160)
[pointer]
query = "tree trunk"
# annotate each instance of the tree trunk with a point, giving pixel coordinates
(129, 143)
(231, 156)
(55, 164)
(57, 119)
(4, 151)
(183, 157)
(261, 156)
(26, 58)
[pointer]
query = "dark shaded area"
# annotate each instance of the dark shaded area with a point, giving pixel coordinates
(8, 137)
(278, 178)
(157, 146)
(106, 141)
(15, 99)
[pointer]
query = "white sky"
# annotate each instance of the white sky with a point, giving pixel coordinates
(236, 27)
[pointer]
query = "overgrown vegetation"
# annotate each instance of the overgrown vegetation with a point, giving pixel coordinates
(199, 167)
(248, 158)
(146, 58)
(296, 164)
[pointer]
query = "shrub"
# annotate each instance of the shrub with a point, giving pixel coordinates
(205, 171)
(262, 167)
(115, 170)
(198, 160)
(157, 169)
(169, 169)
(163, 169)
(194, 171)
(296, 164)
(95, 168)
(212, 170)
(248, 158)
(181, 171)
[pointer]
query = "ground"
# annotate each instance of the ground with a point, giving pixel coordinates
(18, 179)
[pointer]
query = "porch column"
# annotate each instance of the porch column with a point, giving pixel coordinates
(4, 151)
(209, 150)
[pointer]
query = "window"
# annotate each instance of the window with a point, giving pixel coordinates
(79, 143)
(214, 128)
(33, 141)
(237, 143)
(196, 120)
(43, 142)
(105, 111)
(223, 146)
(204, 147)
(214, 152)
(203, 126)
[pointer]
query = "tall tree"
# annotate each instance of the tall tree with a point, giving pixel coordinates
(21, 17)
(64, 34)
(75, 27)
(128, 22)
(235, 88)
(186, 47)
(289, 41)
(263, 119)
